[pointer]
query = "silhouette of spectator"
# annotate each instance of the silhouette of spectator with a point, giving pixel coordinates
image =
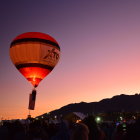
(94, 132)
(80, 132)
(133, 131)
(63, 132)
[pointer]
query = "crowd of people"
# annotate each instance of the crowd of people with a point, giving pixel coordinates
(87, 129)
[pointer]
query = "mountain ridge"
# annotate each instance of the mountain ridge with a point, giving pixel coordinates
(118, 103)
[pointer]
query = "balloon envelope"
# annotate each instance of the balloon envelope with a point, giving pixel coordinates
(35, 55)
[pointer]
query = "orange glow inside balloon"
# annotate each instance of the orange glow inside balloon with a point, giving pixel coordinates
(34, 74)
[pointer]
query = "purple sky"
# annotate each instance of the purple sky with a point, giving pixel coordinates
(100, 52)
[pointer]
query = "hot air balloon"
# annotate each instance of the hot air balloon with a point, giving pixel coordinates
(35, 55)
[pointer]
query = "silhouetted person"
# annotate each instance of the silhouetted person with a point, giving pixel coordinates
(80, 132)
(94, 132)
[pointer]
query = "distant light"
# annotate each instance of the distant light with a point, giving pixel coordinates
(121, 118)
(134, 117)
(117, 123)
(98, 119)
(124, 125)
(124, 129)
(78, 121)
(42, 117)
(124, 120)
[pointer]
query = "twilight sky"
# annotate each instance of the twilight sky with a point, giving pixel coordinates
(100, 52)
